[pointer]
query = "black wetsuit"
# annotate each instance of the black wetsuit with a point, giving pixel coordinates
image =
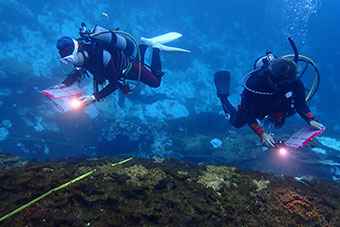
(285, 100)
(119, 66)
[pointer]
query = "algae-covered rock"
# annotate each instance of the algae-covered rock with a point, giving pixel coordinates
(143, 177)
(157, 159)
(144, 193)
(260, 184)
(183, 173)
(215, 176)
(7, 162)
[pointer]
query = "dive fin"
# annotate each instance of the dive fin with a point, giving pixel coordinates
(222, 82)
(165, 38)
(158, 41)
(167, 48)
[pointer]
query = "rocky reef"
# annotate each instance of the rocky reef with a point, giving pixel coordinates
(159, 192)
(7, 162)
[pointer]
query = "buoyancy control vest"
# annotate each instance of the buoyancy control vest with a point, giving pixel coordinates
(120, 48)
(111, 41)
(99, 40)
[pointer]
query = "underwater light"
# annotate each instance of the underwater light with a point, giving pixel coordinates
(75, 103)
(280, 146)
(282, 151)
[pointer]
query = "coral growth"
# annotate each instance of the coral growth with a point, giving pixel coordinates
(172, 193)
(261, 184)
(215, 176)
(142, 177)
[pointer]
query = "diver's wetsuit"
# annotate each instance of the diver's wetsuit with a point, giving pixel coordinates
(115, 65)
(257, 106)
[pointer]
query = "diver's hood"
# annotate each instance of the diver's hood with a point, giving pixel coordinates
(282, 82)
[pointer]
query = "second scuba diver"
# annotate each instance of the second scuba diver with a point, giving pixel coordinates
(273, 90)
(108, 57)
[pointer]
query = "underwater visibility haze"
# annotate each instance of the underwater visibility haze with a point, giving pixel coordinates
(182, 118)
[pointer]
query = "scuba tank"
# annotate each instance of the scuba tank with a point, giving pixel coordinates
(109, 39)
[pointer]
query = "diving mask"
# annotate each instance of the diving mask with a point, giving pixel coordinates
(73, 58)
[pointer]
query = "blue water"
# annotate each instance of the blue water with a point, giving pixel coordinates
(167, 121)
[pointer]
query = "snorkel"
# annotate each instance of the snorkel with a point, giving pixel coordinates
(296, 53)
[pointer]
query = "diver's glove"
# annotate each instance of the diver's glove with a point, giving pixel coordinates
(87, 100)
(60, 86)
(316, 124)
(267, 140)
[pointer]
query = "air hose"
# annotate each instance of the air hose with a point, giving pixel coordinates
(316, 81)
(297, 57)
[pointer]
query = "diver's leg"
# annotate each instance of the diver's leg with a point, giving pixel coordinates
(228, 109)
(236, 118)
(142, 48)
(239, 119)
(222, 84)
(146, 76)
(156, 65)
(153, 78)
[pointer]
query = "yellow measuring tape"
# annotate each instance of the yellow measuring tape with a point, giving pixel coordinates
(56, 189)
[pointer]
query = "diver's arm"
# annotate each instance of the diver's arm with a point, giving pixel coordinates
(257, 129)
(266, 139)
(113, 79)
(305, 113)
(252, 122)
(251, 101)
(111, 87)
(300, 103)
(303, 109)
(73, 76)
(248, 104)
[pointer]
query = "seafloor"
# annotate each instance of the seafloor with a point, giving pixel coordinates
(162, 192)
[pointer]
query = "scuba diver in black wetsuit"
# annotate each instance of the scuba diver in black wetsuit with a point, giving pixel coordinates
(274, 90)
(108, 57)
